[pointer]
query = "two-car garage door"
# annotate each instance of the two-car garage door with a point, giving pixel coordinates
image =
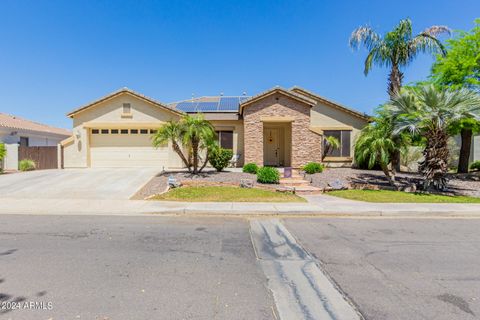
(125, 148)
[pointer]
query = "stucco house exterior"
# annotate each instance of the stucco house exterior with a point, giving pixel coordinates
(278, 127)
(16, 131)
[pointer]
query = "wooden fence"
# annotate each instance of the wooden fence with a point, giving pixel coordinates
(44, 157)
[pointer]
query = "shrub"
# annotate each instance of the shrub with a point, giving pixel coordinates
(219, 158)
(268, 175)
(27, 165)
(250, 168)
(313, 167)
(3, 151)
(475, 165)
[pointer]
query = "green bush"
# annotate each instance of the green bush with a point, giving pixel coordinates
(26, 165)
(250, 168)
(3, 151)
(268, 175)
(475, 165)
(219, 158)
(313, 167)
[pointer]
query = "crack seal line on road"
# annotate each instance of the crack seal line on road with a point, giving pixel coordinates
(301, 288)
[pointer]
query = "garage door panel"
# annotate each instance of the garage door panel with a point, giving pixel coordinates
(126, 151)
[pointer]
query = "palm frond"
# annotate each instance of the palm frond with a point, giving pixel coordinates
(364, 35)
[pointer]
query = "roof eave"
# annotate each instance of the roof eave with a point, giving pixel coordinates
(361, 115)
(117, 93)
(275, 90)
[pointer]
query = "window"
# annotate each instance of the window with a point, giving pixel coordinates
(152, 131)
(127, 108)
(143, 131)
(134, 131)
(95, 131)
(225, 139)
(114, 131)
(124, 131)
(24, 142)
(104, 131)
(343, 136)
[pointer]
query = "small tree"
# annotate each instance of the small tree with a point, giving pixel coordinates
(375, 145)
(192, 134)
(329, 145)
(430, 111)
(171, 132)
(198, 134)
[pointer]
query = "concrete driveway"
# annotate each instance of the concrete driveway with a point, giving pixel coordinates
(110, 183)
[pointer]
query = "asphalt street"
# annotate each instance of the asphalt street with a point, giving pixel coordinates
(113, 267)
(95, 267)
(400, 268)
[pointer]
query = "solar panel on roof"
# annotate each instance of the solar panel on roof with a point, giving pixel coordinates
(187, 106)
(207, 106)
(228, 104)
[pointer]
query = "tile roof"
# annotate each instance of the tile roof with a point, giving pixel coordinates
(118, 92)
(17, 123)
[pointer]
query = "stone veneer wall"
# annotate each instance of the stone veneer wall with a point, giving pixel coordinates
(306, 144)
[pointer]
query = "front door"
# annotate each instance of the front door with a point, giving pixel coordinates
(271, 150)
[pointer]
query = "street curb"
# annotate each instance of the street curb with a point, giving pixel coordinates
(314, 213)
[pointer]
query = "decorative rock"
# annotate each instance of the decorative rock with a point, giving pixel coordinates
(173, 183)
(246, 183)
(337, 185)
(410, 188)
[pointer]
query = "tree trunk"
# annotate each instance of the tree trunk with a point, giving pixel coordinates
(464, 158)
(195, 156)
(435, 165)
(390, 175)
(177, 149)
(394, 81)
(205, 162)
(396, 160)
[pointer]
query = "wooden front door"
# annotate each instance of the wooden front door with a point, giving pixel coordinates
(271, 149)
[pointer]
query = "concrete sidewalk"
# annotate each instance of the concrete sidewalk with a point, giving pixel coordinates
(318, 205)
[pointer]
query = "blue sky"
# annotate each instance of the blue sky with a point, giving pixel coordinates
(58, 55)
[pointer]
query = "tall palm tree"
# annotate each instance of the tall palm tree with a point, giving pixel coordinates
(430, 111)
(197, 133)
(171, 132)
(397, 48)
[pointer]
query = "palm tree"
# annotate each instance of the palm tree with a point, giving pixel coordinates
(375, 145)
(197, 133)
(329, 144)
(171, 132)
(430, 111)
(397, 48)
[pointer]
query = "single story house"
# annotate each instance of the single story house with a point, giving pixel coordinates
(16, 131)
(278, 127)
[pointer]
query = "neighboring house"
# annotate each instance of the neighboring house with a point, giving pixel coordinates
(278, 127)
(16, 131)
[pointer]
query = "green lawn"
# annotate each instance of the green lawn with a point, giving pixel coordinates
(226, 194)
(398, 196)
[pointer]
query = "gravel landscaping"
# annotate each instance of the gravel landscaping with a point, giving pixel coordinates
(158, 183)
(459, 184)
